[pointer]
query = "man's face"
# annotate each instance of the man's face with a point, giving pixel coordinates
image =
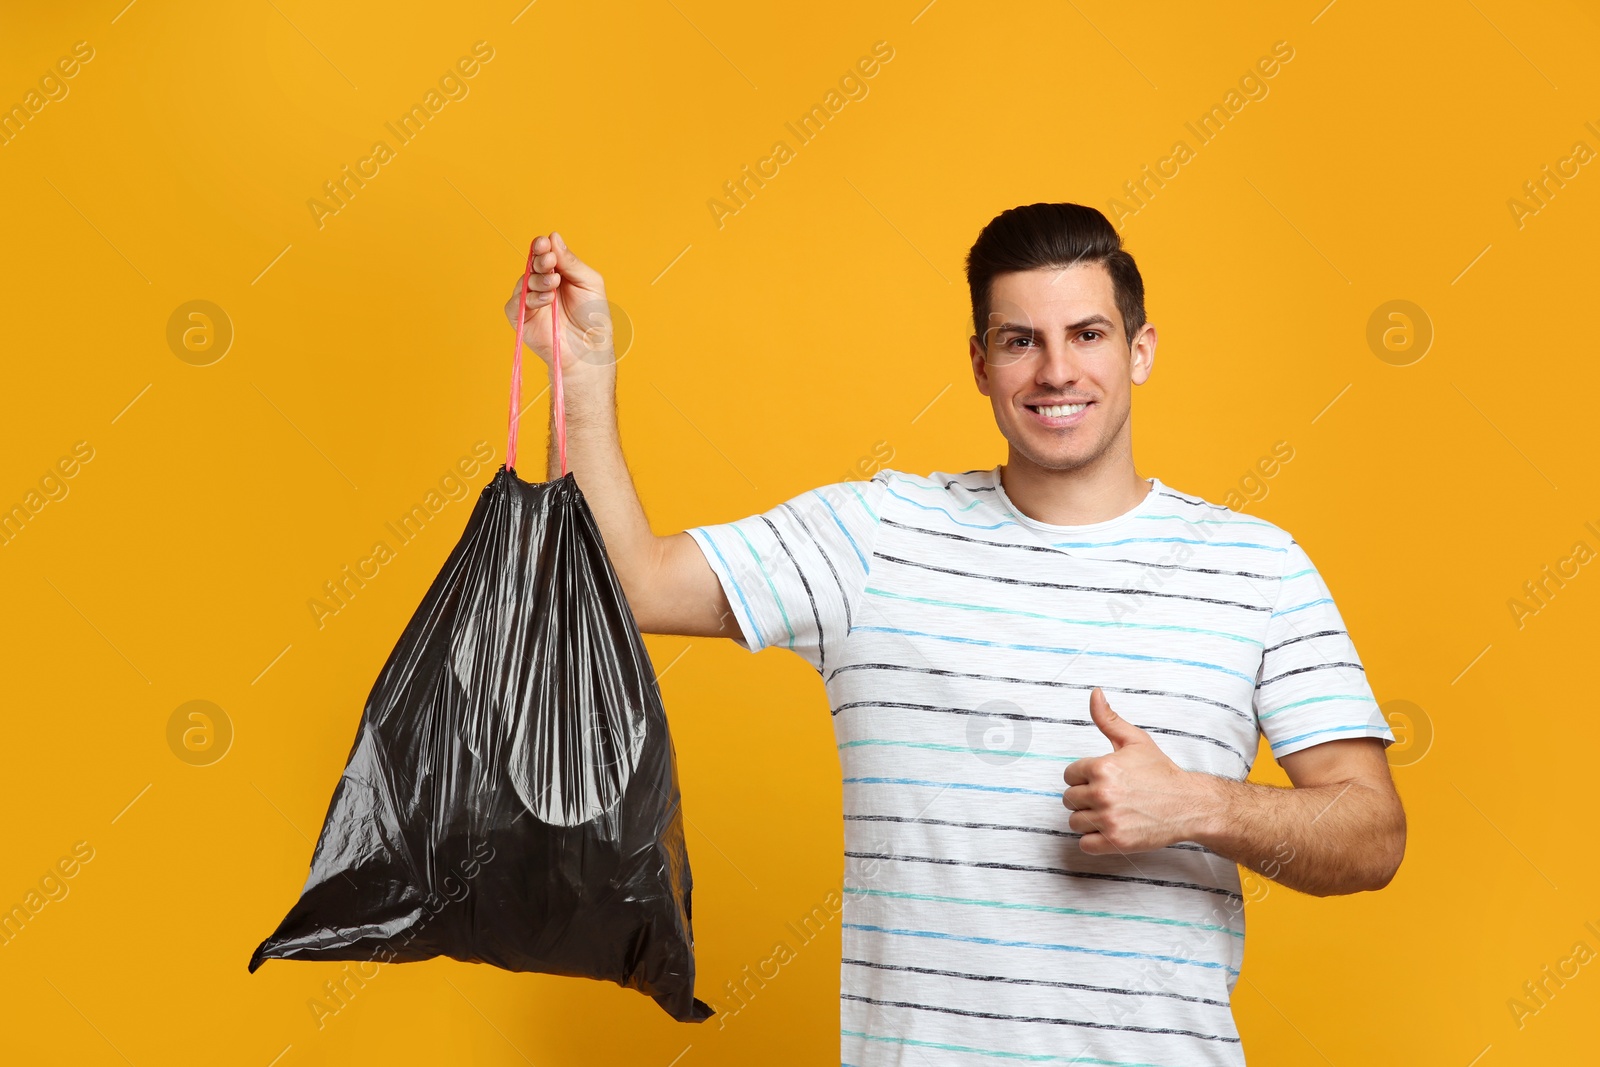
(1055, 340)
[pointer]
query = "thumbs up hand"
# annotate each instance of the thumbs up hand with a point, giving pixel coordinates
(1133, 798)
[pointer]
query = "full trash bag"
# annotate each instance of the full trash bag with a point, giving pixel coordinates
(511, 797)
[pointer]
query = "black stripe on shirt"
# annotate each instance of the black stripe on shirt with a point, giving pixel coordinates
(908, 706)
(991, 865)
(822, 652)
(1198, 503)
(1071, 587)
(831, 570)
(1164, 693)
(1171, 1031)
(1313, 667)
(1185, 846)
(1304, 637)
(886, 521)
(1040, 982)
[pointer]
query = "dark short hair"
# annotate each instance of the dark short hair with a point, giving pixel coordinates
(1052, 236)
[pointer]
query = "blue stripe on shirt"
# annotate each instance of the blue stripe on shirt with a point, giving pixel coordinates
(776, 599)
(1063, 651)
(1326, 730)
(952, 785)
(1301, 607)
(1027, 1056)
(1165, 540)
(728, 570)
(842, 528)
(1361, 698)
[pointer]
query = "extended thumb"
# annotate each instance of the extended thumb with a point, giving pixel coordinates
(1114, 726)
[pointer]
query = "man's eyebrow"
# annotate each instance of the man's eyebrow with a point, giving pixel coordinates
(1081, 324)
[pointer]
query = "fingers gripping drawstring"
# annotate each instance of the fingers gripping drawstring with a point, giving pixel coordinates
(558, 406)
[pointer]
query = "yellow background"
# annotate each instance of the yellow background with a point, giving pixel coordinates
(772, 355)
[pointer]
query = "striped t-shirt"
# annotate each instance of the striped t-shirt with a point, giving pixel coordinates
(958, 641)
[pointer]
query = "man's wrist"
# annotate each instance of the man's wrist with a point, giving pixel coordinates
(1210, 808)
(589, 389)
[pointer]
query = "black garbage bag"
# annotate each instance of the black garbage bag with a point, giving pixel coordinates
(512, 796)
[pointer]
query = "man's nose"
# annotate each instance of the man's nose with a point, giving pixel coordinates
(1058, 364)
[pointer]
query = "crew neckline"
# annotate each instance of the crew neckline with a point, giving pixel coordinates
(1143, 507)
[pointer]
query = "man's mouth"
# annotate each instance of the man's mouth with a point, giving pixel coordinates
(1060, 416)
(1057, 411)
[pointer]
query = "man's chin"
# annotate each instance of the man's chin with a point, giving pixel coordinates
(1047, 458)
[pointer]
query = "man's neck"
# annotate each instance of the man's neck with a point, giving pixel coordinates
(1074, 497)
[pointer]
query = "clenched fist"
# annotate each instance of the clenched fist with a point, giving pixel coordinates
(586, 329)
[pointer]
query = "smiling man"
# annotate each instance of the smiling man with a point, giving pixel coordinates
(1031, 875)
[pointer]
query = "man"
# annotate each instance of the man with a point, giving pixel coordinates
(1031, 875)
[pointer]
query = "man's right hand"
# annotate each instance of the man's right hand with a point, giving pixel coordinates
(586, 330)
(670, 586)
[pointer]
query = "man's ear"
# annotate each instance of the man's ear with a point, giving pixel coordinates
(1142, 354)
(980, 364)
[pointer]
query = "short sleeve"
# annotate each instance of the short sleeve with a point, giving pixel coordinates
(794, 575)
(1312, 686)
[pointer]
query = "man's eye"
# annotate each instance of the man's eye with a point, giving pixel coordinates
(1015, 340)
(1090, 335)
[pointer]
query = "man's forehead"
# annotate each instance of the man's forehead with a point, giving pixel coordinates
(1078, 278)
(1053, 297)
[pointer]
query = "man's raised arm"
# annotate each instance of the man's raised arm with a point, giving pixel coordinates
(670, 587)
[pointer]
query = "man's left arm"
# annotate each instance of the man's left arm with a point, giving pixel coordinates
(1340, 829)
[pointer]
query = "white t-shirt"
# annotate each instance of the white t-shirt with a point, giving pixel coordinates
(958, 640)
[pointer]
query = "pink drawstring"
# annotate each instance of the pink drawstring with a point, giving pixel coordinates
(555, 370)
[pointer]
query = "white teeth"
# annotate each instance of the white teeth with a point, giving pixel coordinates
(1062, 409)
